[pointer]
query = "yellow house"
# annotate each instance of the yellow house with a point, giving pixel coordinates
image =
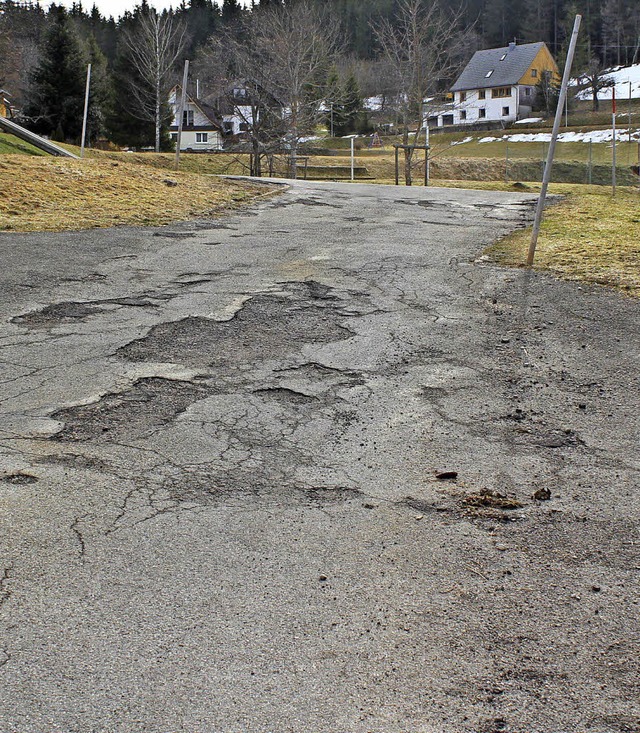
(5, 107)
(499, 84)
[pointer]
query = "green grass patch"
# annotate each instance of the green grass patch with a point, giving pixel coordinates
(590, 236)
(10, 145)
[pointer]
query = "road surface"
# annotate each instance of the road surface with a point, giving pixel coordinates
(275, 473)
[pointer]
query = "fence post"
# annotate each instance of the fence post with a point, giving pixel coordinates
(397, 166)
(506, 162)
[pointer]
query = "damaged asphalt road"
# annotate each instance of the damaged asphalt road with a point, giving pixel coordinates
(276, 473)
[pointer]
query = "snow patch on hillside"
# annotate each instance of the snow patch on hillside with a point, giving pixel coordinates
(593, 136)
(621, 76)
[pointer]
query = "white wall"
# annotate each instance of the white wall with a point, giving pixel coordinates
(188, 140)
(493, 107)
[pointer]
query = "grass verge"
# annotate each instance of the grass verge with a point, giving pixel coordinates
(55, 194)
(590, 236)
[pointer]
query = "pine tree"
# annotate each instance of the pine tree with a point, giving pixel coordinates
(352, 103)
(100, 94)
(56, 98)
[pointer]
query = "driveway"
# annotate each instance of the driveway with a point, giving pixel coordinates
(275, 472)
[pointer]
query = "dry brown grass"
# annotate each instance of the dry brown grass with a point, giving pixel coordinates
(590, 236)
(55, 194)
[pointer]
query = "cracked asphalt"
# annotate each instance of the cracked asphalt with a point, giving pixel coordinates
(275, 472)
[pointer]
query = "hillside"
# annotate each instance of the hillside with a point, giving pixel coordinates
(54, 194)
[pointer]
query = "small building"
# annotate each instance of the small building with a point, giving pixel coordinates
(499, 84)
(201, 131)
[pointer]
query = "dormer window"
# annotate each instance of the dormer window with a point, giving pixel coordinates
(488, 74)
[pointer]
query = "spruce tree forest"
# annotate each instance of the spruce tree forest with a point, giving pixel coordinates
(44, 53)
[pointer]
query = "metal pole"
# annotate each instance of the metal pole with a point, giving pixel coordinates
(590, 164)
(397, 166)
(86, 111)
(613, 147)
(427, 162)
(554, 138)
(506, 162)
(352, 157)
(629, 116)
(181, 108)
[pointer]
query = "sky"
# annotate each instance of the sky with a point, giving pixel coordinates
(117, 7)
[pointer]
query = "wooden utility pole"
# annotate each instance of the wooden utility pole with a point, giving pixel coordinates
(554, 139)
(86, 111)
(181, 108)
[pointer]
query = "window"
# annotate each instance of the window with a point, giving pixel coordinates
(500, 92)
(482, 113)
(174, 137)
(527, 91)
(482, 94)
(228, 127)
(244, 126)
(202, 137)
(488, 74)
(534, 73)
(463, 114)
(187, 117)
(505, 111)
(463, 96)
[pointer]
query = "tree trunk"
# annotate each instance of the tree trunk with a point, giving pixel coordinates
(408, 155)
(158, 115)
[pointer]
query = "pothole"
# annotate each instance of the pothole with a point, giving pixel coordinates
(18, 479)
(56, 313)
(319, 373)
(328, 495)
(268, 326)
(285, 396)
(147, 405)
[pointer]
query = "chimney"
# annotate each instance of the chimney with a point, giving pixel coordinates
(512, 45)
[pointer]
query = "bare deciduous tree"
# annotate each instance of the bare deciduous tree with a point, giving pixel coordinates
(294, 45)
(594, 81)
(240, 84)
(155, 45)
(422, 48)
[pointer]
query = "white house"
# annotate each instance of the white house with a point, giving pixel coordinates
(200, 129)
(247, 106)
(499, 85)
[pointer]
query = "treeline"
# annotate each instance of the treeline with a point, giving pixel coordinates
(43, 54)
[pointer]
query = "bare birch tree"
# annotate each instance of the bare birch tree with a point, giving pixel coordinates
(422, 48)
(155, 44)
